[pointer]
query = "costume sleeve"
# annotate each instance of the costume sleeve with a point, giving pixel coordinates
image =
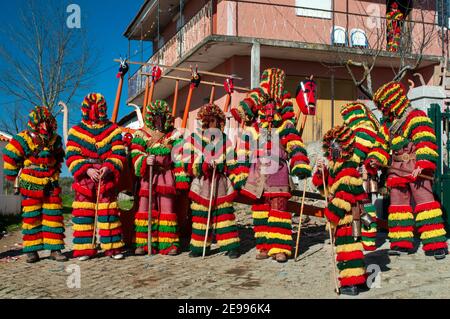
(291, 140)
(318, 181)
(115, 158)
(419, 129)
(232, 164)
(14, 155)
(347, 189)
(182, 160)
(76, 162)
(379, 151)
(241, 169)
(139, 154)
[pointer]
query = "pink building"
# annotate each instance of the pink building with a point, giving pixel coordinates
(244, 37)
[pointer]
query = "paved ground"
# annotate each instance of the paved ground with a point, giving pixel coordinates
(413, 276)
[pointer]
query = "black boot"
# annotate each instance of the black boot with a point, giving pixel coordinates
(195, 255)
(349, 290)
(32, 257)
(234, 254)
(397, 251)
(439, 254)
(57, 256)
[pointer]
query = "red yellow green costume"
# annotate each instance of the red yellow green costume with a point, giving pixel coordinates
(412, 143)
(95, 143)
(345, 189)
(394, 20)
(39, 153)
(201, 149)
(368, 145)
(268, 183)
(151, 141)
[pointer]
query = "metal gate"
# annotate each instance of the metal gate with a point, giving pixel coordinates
(441, 121)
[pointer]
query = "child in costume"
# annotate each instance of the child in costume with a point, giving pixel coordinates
(34, 156)
(206, 151)
(152, 146)
(95, 157)
(270, 149)
(346, 193)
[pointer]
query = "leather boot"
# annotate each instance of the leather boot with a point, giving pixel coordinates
(32, 257)
(281, 258)
(233, 254)
(57, 256)
(263, 254)
(349, 290)
(439, 254)
(195, 255)
(173, 252)
(140, 251)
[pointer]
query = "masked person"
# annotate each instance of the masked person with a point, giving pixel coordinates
(346, 194)
(270, 149)
(206, 151)
(95, 157)
(412, 144)
(369, 145)
(152, 146)
(34, 157)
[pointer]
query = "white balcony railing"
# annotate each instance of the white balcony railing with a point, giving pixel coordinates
(190, 35)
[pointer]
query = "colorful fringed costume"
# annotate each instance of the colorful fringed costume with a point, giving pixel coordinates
(157, 141)
(345, 190)
(412, 142)
(368, 145)
(394, 21)
(95, 144)
(263, 155)
(202, 150)
(35, 157)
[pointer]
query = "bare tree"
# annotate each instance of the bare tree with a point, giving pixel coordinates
(417, 35)
(44, 60)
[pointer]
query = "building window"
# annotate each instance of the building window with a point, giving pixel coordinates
(316, 8)
(443, 13)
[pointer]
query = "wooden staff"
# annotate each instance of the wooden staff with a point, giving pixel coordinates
(188, 106)
(201, 82)
(213, 93)
(302, 127)
(147, 90)
(226, 107)
(117, 101)
(300, 222)
(330, 233)
(96, 214)
(175, 98)
(184, 69)
(213, 184)
(150, 200)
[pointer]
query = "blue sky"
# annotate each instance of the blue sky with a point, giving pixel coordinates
(105, 22)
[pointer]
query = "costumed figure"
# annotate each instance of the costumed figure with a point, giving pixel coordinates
(33, 159)
(95, 157)
(394, 21)
(270, 149)
(209, 153)
(152, 145)
(412, 143)
(368, 145)
(344, 186)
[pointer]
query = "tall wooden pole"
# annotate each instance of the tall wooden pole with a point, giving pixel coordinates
(213, 94)
(187, 107)
(175, 98)
(147, 90)
(117, 101)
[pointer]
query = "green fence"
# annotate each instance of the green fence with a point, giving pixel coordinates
(441, 121)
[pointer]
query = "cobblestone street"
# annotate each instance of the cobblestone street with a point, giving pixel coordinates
(413, 276)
